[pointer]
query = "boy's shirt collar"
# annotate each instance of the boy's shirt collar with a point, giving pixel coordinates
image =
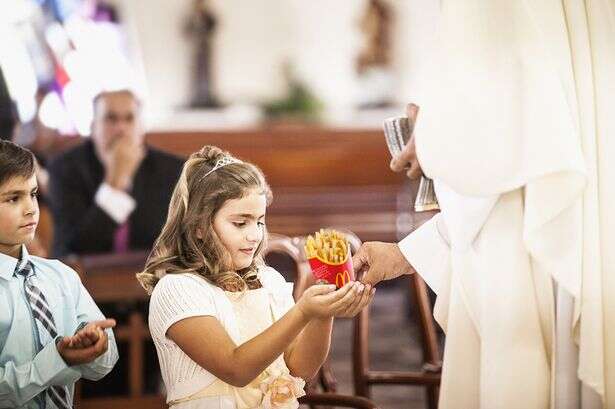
(8, 264)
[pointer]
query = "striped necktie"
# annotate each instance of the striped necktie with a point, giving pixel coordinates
(46, 328)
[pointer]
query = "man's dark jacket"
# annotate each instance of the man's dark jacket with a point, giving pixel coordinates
(81, 227)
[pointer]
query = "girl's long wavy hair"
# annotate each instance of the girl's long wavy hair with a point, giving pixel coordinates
(195, 201)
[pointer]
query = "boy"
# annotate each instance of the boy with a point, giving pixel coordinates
(51, 331)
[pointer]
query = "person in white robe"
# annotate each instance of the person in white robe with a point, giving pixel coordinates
(517, 129)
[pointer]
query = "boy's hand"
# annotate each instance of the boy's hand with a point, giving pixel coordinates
(87, 344)
(88, 335)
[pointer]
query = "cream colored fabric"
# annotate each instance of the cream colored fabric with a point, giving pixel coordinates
(254, 315)
(179, 296)
(518, 131)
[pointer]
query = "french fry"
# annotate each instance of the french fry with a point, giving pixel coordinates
(329, 257)
(328, 245)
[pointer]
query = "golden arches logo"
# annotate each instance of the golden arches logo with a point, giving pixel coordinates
(342, 277)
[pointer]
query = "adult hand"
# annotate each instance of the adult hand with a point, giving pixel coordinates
(88, 344)
(378, 261)
(121, 161)
(407, 159)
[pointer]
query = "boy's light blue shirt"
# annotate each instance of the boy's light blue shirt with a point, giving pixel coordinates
(26, 367)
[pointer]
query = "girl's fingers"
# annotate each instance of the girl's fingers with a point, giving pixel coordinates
(364, 300)
(351, 294)
(356, 303)
(337, 295)
(321, 289)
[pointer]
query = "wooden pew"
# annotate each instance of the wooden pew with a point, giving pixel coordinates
(319, 176)
(111, 278)
(297, 156)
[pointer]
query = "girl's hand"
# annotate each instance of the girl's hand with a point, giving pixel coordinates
(315, 300)
(360, 301)
(324, 301)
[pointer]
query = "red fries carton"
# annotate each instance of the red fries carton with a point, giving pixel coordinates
(329, 257)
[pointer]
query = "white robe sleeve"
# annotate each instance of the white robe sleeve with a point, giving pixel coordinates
(427, 250)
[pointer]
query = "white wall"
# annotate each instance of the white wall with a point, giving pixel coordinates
(414, 40)
(327, 42)
(255, 37)
(155, 30)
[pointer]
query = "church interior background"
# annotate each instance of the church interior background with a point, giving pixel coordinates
(299, 87)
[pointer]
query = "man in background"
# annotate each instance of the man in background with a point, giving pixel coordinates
(111, 193)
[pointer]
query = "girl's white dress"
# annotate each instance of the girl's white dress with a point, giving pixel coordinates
(244, 316)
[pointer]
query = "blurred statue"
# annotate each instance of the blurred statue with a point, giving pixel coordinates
(375, 25)
(201, 26)
(373, 61)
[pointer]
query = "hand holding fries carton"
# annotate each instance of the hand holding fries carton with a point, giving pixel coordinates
(328, 253)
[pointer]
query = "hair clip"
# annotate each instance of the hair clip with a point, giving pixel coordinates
(226, 160)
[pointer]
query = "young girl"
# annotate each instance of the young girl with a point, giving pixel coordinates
(225, 326)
